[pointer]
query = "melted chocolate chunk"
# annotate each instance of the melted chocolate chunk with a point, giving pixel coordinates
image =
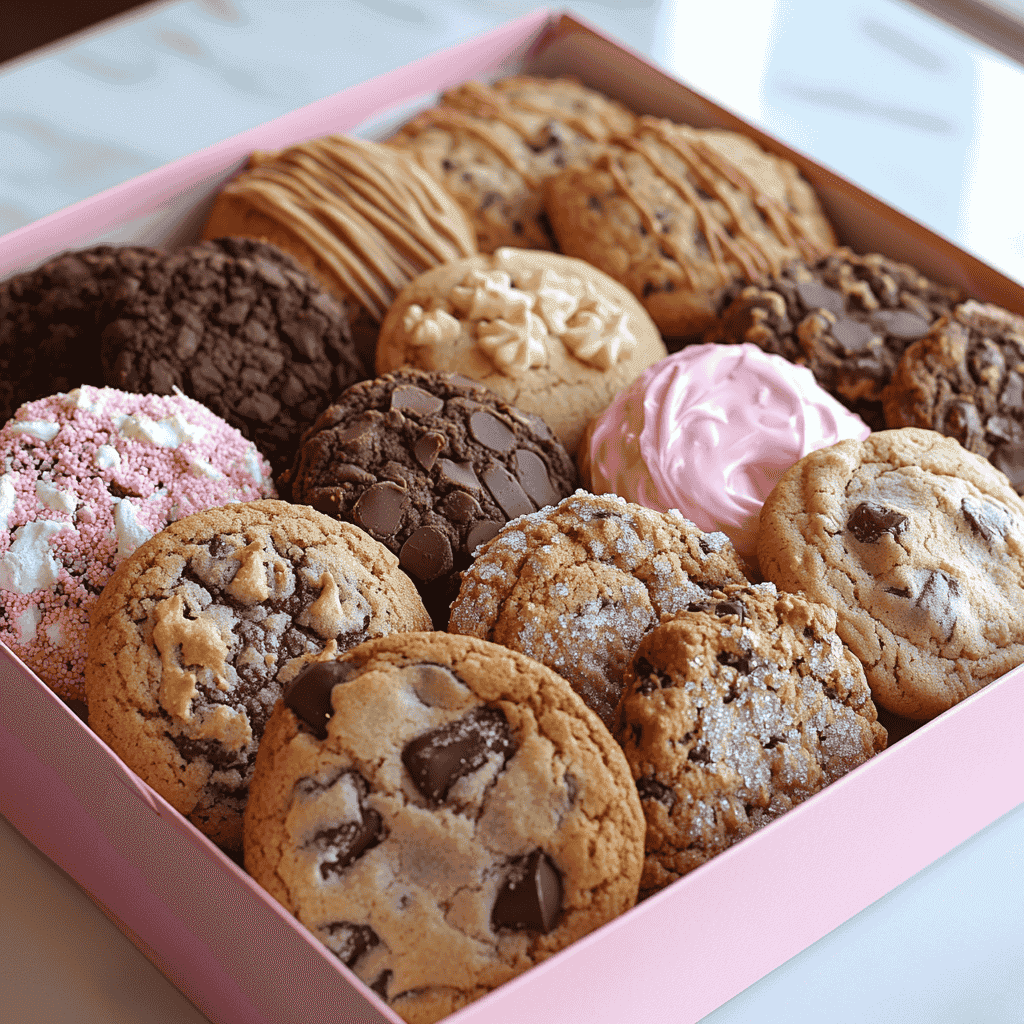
(427, 554)
(740, 662)
(940, 600)
(349, 941)
(309, 693)
(989, 520)
(506, 491)
(438, 759)
(818, 296)
(343, 844)
(533, 478)
(869, 521)
(530, 898)
(1009, 459)
(426, 449)
(720, 608)
(381, 982)
(481, 533)
(380, 508)
(652, 789)
(409, 398)
(491, 432)
(900, 323)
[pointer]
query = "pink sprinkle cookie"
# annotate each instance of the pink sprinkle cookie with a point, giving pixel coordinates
(709, 431)
(86, 478)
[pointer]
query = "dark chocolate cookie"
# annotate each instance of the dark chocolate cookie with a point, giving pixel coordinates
(48, 322)
(848, 317)
(237, 325)
(966, 380)
(431, 465)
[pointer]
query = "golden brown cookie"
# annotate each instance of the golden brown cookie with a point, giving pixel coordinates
(551, 335)
(577, 586)
(917, 545)
(197, 632)
(362, 217)
(492, 146)
(733, 712)
(679, 214)
(442, 814)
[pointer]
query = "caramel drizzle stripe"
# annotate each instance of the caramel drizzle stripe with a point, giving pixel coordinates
(501, 106)
(751, 256)
(784, 222)
(448, 117)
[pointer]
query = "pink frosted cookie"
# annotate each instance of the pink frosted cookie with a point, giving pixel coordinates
(709, 431)
(86, 478)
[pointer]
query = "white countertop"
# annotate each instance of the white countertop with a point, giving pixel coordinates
(909, 109)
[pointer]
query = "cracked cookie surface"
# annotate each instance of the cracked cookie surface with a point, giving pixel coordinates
(577, 586)
(443, 814)
(194, 637)
(733, 712)
(552, 335)
(917, 544)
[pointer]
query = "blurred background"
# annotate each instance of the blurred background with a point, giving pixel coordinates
(893, 95)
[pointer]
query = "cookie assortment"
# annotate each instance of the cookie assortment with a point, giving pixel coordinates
(454, 712)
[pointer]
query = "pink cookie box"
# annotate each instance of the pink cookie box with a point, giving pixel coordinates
(234, 951)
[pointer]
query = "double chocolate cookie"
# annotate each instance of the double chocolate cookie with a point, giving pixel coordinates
(578, 586)
(431, 465)
(966, 380)
(442, 813)
(917, 545)
(847, 317)
(196, 634)
(736, 710)
(50, 322)
(238, 325)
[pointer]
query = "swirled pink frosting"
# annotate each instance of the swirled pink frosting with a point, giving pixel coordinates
(709, 431)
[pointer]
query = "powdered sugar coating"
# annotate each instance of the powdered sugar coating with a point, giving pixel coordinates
(85, 478)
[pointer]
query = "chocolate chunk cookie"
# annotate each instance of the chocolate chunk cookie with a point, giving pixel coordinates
(917, 545)
(442, 814)
(49, 322)
(847, 317)
(196, 633)
(679, 214)
(491, 147)
(577, 586)
(733, 712)
(431, 465)
(965, 379)
(238, 326)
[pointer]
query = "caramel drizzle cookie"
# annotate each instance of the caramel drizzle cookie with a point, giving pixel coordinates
(195, 635)
(491, 146)
(578, 586)
(442, 814)
(733, 712)
(431, 465)
(917, 545)
(679, 214)
(369, 216)
(847, 317)
(965, 379)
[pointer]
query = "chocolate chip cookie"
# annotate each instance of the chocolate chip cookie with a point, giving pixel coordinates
(680, 214)
(195, 635)
(241, 328)
(966, 380)
(49, 322)
(917, 545)
(736, 710)
(577, 586)
(846, 317)
(431, 465)
(491, 147)
(442, 814)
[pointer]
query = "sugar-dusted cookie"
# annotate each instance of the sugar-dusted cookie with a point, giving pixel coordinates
(965, 379)
(680, 214)
(85, 478)
(238, 326)
(49, 322)
(492, 146)
(917, 544)
(577, 586)
(552, 335)
(362, 217)
(733, 712)
(442, 813)
(846, 317)
(195, 635)
(431, 465)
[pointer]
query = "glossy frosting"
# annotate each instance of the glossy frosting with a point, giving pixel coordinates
(709, 431)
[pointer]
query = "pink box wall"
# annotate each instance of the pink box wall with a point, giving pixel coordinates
(233, 951)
